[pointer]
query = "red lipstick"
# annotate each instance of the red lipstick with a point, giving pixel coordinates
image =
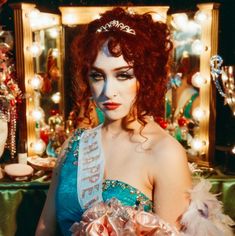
(111, 105)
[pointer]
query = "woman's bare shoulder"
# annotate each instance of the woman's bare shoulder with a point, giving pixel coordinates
(164, 147)
(169, 162)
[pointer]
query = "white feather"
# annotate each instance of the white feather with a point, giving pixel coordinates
(204, 216)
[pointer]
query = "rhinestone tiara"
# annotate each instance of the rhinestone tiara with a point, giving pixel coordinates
(116, 24)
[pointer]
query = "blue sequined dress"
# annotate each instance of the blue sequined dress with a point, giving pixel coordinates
(68, 209)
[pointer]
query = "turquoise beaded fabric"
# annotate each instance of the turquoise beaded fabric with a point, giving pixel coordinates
(68, 209)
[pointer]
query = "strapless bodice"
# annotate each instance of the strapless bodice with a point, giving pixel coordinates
(68, 209)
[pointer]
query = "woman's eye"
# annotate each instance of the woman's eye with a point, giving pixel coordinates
(125, 76)
(96, 76)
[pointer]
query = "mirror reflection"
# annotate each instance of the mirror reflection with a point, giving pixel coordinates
(47, 85)
(47, 69)
(183, 95)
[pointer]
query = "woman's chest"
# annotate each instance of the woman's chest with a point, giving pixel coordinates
(130, 166)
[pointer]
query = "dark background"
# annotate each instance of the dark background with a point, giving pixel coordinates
(225, 121)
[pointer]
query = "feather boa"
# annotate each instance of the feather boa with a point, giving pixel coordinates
(203, 217)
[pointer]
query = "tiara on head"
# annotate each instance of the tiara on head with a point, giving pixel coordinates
(116, 24)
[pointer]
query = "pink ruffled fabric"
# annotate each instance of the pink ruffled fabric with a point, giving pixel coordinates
(204, 216)
(113, 219)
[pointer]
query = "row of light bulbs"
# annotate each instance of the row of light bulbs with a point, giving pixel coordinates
(37, 114)
(181, 22)
(36, 50)
(40, 20)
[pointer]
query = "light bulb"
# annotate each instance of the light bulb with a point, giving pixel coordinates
(198, 113)
(192, 27)
(56, 97)
(70, 19)
(55, 52)
(39, 146)
(224, 76)
(34, 14)
(200, 17)
(198, 47)
(38, 114)
(46, 20)
(36, 82)
(180, 20)
(158, 17)
(35, 49)
(34, 18)
(96, 17)
(198, 80)
(54, 33)
(233, 149)
(197, 144)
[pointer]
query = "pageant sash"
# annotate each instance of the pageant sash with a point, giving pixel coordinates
(90, 169)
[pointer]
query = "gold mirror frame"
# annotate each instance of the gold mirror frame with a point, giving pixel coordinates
(208, 91)
(25, 67)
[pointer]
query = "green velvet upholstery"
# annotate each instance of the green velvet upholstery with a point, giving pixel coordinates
(21, 203)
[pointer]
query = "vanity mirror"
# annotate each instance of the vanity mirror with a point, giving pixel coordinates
(190, 108)
(190, 104)
(190, 101)
(39, 69)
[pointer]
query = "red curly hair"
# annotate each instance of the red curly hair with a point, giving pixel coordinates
(147, 50)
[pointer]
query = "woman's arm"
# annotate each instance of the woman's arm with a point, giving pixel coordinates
(172, 179)
(47, 222)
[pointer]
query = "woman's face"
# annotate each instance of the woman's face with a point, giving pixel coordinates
(113, 85)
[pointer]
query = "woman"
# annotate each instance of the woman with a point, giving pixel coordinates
(121, 62)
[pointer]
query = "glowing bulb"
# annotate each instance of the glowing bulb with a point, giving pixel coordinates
(96, 17)
(197, 144)
(70, 19)
(200, 17)
(47, 20)
(55, 52)
(36, 82)
(192, 27)
(34, 14)
(39, 146)
(180, 21)
(35, 49)
(198, 113)
(34, 18)
(54, 33)
(198, 47)
(131, 11)
(233, 150)
(37, 114)
(198, 80)
(224, 76)
(158, 17)
(56, 97)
